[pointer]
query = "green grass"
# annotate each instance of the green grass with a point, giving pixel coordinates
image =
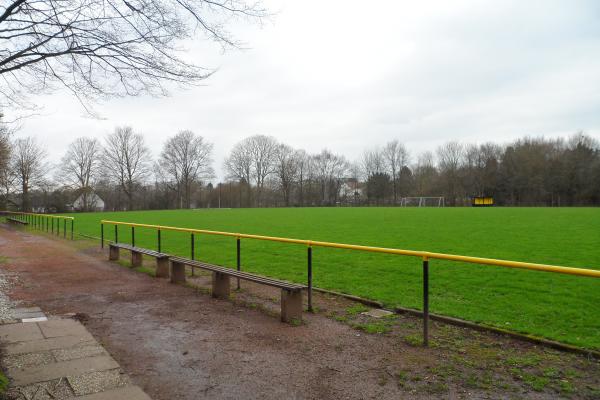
(559, 307)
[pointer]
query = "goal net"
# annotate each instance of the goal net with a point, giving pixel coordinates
(422, 202)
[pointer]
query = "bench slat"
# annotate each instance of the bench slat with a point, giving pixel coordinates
(139, 250)
(17, 221)
(239, 274)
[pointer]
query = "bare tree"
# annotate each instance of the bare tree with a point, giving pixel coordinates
(396, 157)
(186, 159)
(126, 160)
(6, 172)
(28, 164)
(425, 175)
(286, 169)
(253, 159)
(450, 158)
(99, 48)
(238, 165)
(80, 166)
(329, 170)
(303, 163)
(263, 150)
(372, 162)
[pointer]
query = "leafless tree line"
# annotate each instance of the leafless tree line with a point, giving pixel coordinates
(260, 171)
(119, 170)
(526, 172)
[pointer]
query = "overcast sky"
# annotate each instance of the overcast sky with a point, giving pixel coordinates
(350, 75)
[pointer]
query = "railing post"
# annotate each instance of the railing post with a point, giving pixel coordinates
(116, 234)
(64, 228)
(159, 241)
(101, 235)
(192, 250)
(52, 224)
(239, 257)
(47, 224)
(72, 228)
(425, 301)
(309, 253)
(133, 236)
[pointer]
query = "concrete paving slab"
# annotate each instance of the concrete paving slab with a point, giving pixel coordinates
(29, 375)
(62, 327)
(126, 393)
(25, 360)
(98, 382)
(378, 313)
(74, 353)
(20, 332)
(28, 315)
(63, 342)
(36, 319)
(58, 389)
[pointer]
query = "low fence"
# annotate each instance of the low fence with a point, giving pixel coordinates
(424, 255)
(45, 222)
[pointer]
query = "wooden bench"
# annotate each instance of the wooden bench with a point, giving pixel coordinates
(16, 221)
(291, 293)
(162, 260)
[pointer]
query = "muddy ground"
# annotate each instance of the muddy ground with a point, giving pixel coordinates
(176, 342)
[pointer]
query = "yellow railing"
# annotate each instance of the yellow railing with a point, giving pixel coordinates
(424, 255)
(44, 222)
(414, 253)
(37, 215)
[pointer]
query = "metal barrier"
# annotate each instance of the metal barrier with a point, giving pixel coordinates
(424, 255)
(44, 222)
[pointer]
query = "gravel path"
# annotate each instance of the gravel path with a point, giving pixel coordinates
(6, 304)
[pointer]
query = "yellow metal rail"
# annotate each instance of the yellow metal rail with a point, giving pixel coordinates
(37, 215)
(44, 222)
(425, 255)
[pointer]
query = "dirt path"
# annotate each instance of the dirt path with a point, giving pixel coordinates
(178, 343)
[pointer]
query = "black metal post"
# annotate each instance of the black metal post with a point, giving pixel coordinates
(133, 236)
(116, 234)
(239, 259)
(159, 240)
(58, 227)
(309, 252)
(72, 228)
(64, 228)
(192, 250)
(47, 224)
(101, 235)
(425, 302)
(52, 223)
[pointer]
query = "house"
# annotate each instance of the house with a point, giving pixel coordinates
(94, 203)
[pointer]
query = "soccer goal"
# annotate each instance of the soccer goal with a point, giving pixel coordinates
(422, 202)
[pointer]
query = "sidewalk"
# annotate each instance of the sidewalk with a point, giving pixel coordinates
(59, 359)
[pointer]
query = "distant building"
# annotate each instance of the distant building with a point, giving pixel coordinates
(94, 203)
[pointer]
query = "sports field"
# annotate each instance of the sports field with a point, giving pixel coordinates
(559, 307)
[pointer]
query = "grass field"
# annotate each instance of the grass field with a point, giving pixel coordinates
(558, 307)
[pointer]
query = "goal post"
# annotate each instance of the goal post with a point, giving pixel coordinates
(422, 201)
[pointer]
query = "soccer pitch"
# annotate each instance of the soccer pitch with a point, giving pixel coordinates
(559, 307)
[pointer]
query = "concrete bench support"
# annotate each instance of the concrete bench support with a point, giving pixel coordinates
(220, 285)
(162, 267)
(291, 305)
(136, 259)
(113, 253)
(177, 272)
